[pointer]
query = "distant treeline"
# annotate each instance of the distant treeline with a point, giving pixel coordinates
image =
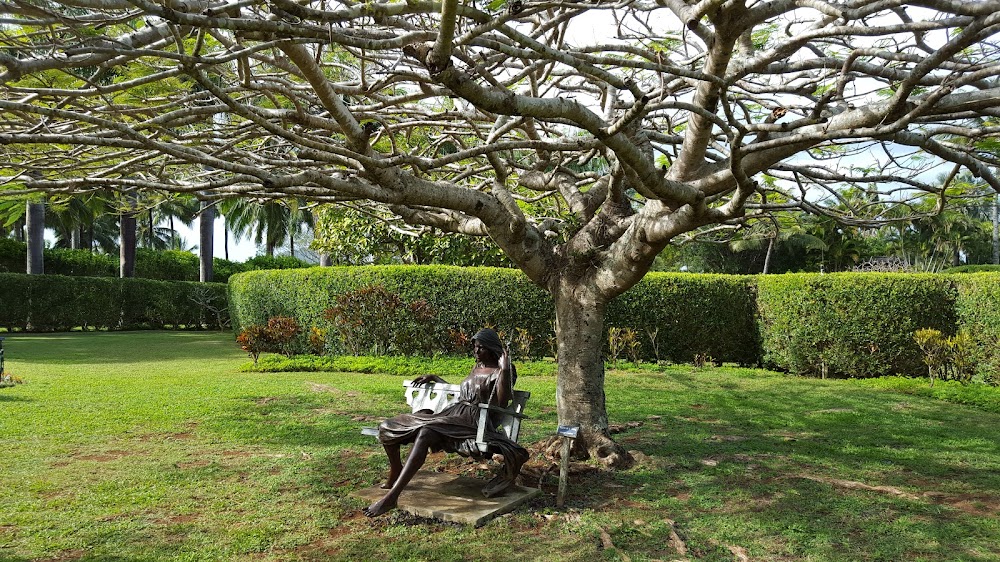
(167, 265)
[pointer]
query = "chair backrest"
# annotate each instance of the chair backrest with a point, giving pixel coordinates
(438, 396)
(434, 397)
(511, 425)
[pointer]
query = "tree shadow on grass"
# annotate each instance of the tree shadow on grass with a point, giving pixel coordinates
(862, 475)
(295, 420)
(118, 347)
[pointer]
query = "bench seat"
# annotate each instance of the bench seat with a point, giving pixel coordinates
(438, 396)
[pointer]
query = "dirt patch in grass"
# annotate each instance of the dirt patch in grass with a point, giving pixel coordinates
(968, 503)
(188, 433)
(728, 438)
(974, 504)
(105, 456)
(320, 387)
(65, 555)
(236, 454)
(179, 519)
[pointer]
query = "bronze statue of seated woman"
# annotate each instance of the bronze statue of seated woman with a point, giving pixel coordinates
(454, 428)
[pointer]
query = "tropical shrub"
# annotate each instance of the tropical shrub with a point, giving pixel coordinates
(454, 302)
(254, 340)
(947, 358)
(374, 321)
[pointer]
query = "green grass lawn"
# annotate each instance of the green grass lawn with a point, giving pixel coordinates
(152, 446)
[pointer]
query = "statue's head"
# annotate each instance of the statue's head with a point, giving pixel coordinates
(489, 341)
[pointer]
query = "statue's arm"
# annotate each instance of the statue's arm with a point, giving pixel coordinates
(427, 379)
(505, 381)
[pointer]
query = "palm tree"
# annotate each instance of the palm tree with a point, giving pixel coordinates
(783, 230)
(12, 218)
(35, 222)
(270, 223)
(84, 222)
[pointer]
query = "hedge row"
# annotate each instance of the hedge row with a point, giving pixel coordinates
(463, 298)
(705, 314)
(851, 324)
(848, 324)
(56, 302)
(978, 310)
(167, 265)
(711, 316)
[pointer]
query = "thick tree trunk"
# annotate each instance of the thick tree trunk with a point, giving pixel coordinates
(996, 229)
(126, 245)
(88, 238)
(580, 398)
(149, 233)
(325, 260)
(206, 244)
(35, 221)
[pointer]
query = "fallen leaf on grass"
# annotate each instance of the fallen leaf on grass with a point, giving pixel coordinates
(739, 552)
(675, 539)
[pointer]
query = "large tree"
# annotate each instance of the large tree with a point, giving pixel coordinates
(581, 137)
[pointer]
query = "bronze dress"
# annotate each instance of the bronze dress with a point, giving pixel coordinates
(457, 423)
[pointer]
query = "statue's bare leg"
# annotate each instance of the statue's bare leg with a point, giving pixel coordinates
(426, 439)
(395, 465)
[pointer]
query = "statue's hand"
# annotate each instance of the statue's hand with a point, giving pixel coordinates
(504, 361)
(426, 379)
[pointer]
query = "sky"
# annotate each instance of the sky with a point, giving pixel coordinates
(238, 251)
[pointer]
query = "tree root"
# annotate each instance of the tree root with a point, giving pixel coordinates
(590, 445)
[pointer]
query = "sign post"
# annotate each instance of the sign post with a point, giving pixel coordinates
(568, 434)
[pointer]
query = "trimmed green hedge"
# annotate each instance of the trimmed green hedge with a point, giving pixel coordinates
(56, 302)
(978, 309)
(57, 261)
(982, 268)
(464, 298)
(854, 324)
(705, 314)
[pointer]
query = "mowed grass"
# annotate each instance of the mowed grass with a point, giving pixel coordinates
(151, 446)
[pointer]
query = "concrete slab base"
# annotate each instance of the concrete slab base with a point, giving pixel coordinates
(448, 497)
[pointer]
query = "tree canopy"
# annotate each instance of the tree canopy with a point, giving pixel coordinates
(580, 136)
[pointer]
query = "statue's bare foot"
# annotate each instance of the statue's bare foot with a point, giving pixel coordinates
(503, 481)
(381, 506)
(498, 485)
